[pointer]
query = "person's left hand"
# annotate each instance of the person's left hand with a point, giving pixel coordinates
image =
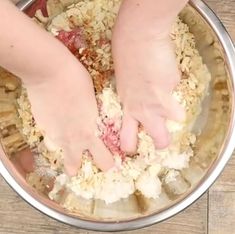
(146, 74)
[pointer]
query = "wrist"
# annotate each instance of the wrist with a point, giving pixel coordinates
(149, 16)
(56, 71)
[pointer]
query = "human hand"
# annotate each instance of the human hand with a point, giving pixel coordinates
(146, 73)
(60, 89)
(64, 106)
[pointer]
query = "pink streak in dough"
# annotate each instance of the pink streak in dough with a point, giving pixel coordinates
(111, 137)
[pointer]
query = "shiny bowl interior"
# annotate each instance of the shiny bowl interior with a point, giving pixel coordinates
(213, 148)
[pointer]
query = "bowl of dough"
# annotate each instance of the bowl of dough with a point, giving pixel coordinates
(153, 184)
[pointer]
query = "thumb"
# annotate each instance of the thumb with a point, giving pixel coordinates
(128, 134)
(101, 155)
(72, 160)
(174, 111)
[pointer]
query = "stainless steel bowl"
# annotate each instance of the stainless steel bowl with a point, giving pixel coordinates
(213, 149)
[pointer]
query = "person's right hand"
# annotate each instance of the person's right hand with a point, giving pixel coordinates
(64, 106)
(146, 69)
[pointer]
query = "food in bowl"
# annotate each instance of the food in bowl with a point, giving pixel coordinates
(86, 29)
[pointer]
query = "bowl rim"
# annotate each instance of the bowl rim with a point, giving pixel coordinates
(226, 152)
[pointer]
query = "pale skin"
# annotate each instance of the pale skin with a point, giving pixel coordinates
(60, 89)
(146, 69)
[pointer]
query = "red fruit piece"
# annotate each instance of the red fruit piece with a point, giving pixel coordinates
(73, 40)
(37, 5)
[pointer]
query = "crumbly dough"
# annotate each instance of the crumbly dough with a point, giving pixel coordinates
(145, 171)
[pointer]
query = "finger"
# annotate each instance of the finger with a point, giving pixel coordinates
(156, 128)
(72, 160)
(101, 155)
(128, 134)
(174, 111)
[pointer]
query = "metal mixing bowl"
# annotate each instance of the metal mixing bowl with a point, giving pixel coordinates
(213, 148)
